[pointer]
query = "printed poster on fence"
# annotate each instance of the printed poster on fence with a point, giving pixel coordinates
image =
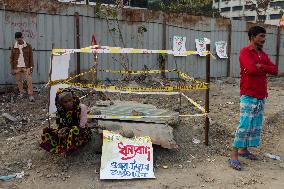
(201, 45)
(126, 158)
(221, 49)
(179, 45)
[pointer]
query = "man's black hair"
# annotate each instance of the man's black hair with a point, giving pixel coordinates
(255, 30)
(18, 35)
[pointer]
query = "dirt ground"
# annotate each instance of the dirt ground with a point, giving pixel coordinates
(190, 166)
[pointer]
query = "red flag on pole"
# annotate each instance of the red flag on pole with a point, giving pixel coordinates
(94, 40)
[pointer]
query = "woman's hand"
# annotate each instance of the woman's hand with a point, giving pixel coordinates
(62, 132)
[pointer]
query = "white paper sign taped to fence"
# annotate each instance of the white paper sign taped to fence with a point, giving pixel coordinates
(179, 45)
(221, 49)
(201, 45)
(125, 158)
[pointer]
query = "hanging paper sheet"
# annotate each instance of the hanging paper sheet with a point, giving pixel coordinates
(201, 45)
(179, 45)
(221, 49)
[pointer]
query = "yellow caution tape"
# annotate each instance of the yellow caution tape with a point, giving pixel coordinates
(195, 86)
(186, 77)
(119, 50)
(138, 71)
(123, 72)
(194, 103)
(140, 93)
(138, 117)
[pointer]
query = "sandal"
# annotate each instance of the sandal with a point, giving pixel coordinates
(235, 164)
(248, 155)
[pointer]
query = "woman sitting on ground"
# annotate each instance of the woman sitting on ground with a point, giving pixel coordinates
(71, 118)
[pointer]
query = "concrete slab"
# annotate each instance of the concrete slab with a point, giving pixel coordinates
(132, 108)
(160, 134)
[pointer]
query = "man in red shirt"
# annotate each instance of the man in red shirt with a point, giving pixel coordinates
(254, 67)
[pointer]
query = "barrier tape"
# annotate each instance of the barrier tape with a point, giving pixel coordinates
(138, 71)
(183, 75)
(118, 50)
(195, 86)
(194, 103)
(140, 93)
(186, 77)
(139, 117)
(130, 92)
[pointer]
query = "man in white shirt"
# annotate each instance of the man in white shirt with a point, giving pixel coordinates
(21, 61)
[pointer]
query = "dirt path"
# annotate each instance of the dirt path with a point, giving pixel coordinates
(264, 174)
(207, 169)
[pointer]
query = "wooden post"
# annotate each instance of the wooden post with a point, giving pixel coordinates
(77, 26)
(229, 48)
(163, 60)
(94, 42)
(207, 96)
(49, 79)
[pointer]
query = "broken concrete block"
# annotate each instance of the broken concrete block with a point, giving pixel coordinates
(127, 134)
(9, 117)
(104, 103)
(96, 112)
(174, 122)
(2, 120)
(162, 135)
(137, 113)
(230, 80)
(133, 84)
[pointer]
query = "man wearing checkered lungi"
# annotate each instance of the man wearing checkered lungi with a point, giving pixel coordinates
(254, 67)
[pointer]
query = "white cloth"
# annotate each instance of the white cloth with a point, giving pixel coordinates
(60, 67)
(21, 60)
(83, 115)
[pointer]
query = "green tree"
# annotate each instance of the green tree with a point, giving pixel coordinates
(260, 7)
(193, 7)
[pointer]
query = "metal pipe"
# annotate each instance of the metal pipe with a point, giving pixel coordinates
(164, 44)
(77, 26)
(49, 87)
(207, 96)
(229, 48)
(94, 42)
(278, 45)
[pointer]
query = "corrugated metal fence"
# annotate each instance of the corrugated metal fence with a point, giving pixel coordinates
(133, 28)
